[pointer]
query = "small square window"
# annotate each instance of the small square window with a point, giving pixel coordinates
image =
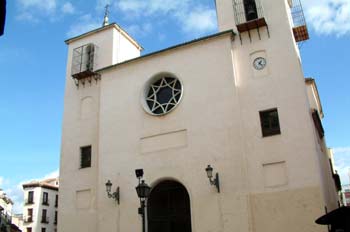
(269, 122)
(85, 157)
(43, 229)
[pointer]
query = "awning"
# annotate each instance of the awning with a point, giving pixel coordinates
(339, 219)
(337, 216)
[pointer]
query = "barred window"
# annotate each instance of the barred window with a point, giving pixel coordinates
(85, 157)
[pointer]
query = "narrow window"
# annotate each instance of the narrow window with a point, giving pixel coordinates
(269, 122)
(318, 123)
(43, 229)
(44, 216)
(30, 215)
(56, 201)
(85, 157)
(30, 197)
(46, 198)
(29, 229)
(250, 9)
(55, 218)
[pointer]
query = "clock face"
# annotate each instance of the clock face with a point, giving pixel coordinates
(259, 63)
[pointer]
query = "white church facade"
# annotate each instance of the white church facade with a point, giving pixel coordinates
(236, 100)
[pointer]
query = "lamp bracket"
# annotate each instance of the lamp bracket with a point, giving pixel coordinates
(115, 195)
(215, 182)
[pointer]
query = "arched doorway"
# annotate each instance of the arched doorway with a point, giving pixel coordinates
(168, 208)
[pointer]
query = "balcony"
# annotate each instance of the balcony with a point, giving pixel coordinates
(84, 63)
(300, 30)
(46, 203)
(28, 219)
(29, 202)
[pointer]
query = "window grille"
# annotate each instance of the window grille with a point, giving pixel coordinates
(85, 157)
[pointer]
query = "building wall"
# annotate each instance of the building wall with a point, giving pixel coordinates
(5, 210)
(346, 195)
(124, 49)
(7, 206)
(80, 128)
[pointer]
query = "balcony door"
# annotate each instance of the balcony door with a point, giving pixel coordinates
(169, 208)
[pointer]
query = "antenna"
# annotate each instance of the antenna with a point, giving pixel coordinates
(105, 19)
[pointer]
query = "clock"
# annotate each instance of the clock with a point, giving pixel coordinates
(259, 63)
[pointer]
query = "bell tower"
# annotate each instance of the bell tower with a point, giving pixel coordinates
(257, 17)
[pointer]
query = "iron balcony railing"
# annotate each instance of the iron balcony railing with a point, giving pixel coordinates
(84, 61)
(299, 23)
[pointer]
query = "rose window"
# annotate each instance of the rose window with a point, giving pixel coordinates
(163, 95)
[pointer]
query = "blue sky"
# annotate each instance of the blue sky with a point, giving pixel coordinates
(33, 62)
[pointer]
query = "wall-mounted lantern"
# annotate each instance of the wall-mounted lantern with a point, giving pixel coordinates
(212, 181)
(142, 190)
(115, 195)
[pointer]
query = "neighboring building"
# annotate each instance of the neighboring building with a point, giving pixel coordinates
(237, 100)
(6, 217)
(40, 205)
(17, 220)
(346, 195)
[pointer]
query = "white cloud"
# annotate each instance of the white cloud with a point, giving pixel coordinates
(151, 7)
(84, 24)
(328, 17)
(199, 21)
(43, 10)
(68, 8)
(45, 5)
(342, 163)
(53, 174)
(102, 4)
(27, 17)
(1, 180)
(140, 30)
(193, 17)
(16, 195)
(340, 150)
